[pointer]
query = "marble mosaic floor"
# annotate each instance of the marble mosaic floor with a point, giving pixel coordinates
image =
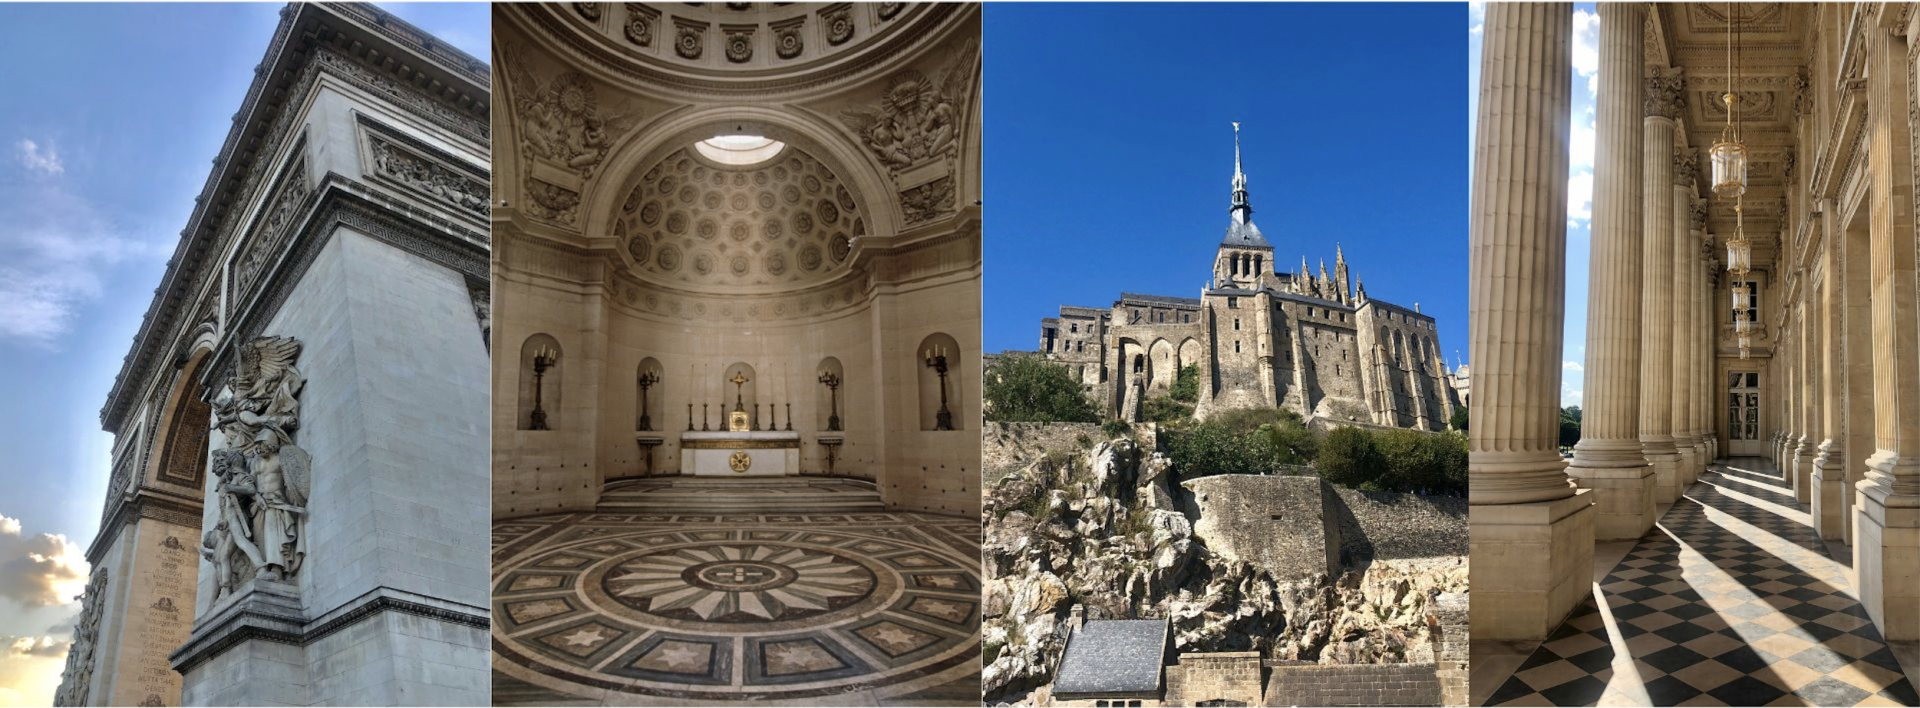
(1730, 600)
(621, 608)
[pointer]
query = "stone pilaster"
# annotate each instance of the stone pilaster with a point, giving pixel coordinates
(1610, 459)
(1532, 547)
(1661, 101)
(1887, 551)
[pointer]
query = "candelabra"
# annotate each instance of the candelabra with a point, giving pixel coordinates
(543, 358)
(832, 381)
(689, 417)
(789, 417)
(647, 380)
(937, 360)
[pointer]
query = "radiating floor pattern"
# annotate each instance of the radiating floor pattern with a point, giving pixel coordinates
(766, 600)
(1730, 600)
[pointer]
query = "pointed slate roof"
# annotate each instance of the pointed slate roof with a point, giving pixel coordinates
(1240, 231)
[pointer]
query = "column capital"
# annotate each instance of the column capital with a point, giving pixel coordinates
(1685, 161)
(1666, 93)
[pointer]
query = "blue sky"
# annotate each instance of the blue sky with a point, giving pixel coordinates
(104, 143)
(1109, 151)
(1586, 78)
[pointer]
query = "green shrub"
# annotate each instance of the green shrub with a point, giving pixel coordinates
(1293, 444)
(1029, 389)
(1212, 448)
(1162, 409)
(1117, 429)
(1186, 385)
(1348, 456)
(1459, 420)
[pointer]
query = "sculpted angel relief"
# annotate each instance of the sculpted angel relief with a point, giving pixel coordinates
(261, 477)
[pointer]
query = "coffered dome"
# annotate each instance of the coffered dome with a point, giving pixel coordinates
(784, 223)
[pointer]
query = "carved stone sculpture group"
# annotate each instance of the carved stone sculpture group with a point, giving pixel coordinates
(262, 477)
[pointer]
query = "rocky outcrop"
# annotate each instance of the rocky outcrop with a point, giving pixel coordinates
(1105, 529)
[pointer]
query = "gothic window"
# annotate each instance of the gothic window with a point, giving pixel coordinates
(1236, 346)
(1236, 324)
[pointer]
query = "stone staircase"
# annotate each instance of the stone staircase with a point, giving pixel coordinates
(782, 495)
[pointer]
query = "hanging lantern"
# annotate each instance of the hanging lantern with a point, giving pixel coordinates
(1729, 158)
(1739, 255)
(1742, 300)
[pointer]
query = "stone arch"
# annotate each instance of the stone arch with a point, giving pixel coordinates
(933, 390)
(184, 429)
(1399, 349)
(1162, 365)
(742, 396)
(649, 404)
(549, 393)
(1190, 352)
(825, 414)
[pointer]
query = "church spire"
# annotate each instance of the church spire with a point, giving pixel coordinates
(1242, 211)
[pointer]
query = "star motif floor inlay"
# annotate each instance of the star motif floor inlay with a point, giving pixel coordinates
(778, 605)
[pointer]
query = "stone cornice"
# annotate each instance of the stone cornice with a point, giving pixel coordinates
(408, 60)
(343, 202)
(247, 621)
(145, 503)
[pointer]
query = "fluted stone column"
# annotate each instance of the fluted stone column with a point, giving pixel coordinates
(1531, 552)
(1685, 257)
(1830, 497)
(1705, 359)
(1661, 102)
(1809, 414)
(1609, 458)
(1887, 552)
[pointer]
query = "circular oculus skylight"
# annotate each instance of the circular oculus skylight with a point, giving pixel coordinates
(739, 150)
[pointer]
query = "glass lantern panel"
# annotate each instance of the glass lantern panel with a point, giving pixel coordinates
(1729, 169)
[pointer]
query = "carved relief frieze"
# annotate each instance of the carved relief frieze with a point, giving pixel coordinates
(928, 201)
(408, 96)
(552, 203)
(917, 119)
(433, 177)
(76, 679)
(262, 475)
(271, 227)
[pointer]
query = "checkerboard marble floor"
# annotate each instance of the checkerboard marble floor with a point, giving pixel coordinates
(616, 607)
(1730, 600)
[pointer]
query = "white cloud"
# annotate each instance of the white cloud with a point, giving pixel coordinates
(55, 253)
(36, 646)
(1586, 49)
(40, 571)
(1569, 397)
(1476, 17)
(40, 160)
(1580, 199)
(1571, 366)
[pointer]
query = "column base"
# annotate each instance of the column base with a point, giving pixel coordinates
(1666, 476)
(1529, 565)
(1683, 469)
(1803, 472)
(1830, 494)
(1886, 551)
(1623, 499)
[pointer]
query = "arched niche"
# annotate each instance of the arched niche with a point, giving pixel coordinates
(649, 397)
(933, 389)
(741, 395)
(543, 386)
(830, 414)
(1190, 353)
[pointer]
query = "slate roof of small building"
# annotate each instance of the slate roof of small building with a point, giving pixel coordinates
(1113, 656)
(1192, 302)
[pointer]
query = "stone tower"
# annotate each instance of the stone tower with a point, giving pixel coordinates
(1244, 254)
